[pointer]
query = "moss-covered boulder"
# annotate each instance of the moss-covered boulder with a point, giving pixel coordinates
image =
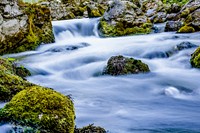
(41, 109)
(124, 18)
(186, 29)
(90, 129)
(195, 59)
(24, 26)
(119, 65)
(11, 79)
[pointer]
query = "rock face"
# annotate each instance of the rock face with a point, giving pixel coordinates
(119, 65)
(195, 59)
(124, 18)
(23, 27)
(41, 109)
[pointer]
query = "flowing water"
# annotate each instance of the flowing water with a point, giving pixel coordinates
(165, 100)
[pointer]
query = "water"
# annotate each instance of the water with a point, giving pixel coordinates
(165, 100)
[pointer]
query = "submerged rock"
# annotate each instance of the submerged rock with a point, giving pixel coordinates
(195, 59)
(119, 65)
(23, 26)
(41, 109)
(172, 51)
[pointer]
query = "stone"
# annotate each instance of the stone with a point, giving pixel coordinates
(119, 65)
(10, 27)
(1, 19)
(173, 26)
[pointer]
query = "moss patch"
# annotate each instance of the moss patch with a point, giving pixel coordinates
(42, 109)
(186, 29)
(195, 59)
(11, 79)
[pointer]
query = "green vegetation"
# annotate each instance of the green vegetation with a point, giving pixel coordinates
(42, 109)
(180, 2)
(186, 29)
(195, 59)
(11, 81)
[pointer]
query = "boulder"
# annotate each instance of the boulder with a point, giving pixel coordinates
(23, 26)
(195, 59)
(41, 109)
(173, 26)
(119, 65)
(90, 129)
(124, 18)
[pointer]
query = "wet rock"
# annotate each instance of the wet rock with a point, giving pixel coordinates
(173, 25)
(68, 48)
(10, 27)
(172, 51)
(160, 17)
(119, 65)
(41, 109)
(195, 59)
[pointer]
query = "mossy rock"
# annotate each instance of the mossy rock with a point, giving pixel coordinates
(11, 79)
(90, 129)
(186, 29)
(108, 29)
(195, 59)
(180, 2)
(42, 109)
(119, 65)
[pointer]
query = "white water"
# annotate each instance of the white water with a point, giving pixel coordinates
(165, 100)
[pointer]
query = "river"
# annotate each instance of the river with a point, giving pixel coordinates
(165, 100)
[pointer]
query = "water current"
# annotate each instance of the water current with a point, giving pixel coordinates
(165, 100)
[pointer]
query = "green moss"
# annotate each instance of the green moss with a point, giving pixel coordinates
(90, 129)
(10, 82)
(195, 59)
(186, 29)
(185, 13)
(119, 65)
(42, 109)
(120, 30)
(180, 2)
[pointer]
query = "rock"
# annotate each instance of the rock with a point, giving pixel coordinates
(195, 59)
(172, 51)
(190, 16)
(124, 18)
(24, 28)
(90, 129)
(160, 17)
(173, 25)
(119, 65)
(10, 27)
(10, 82)
(41, 109)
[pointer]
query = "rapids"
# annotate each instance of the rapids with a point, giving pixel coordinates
(166, 100)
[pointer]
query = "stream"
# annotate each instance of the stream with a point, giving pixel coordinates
(165, 100)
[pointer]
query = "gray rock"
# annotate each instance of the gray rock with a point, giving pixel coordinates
(1, 19)
(173, 25)
(12, 11)
(11, 27)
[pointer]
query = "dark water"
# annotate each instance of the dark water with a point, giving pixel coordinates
(166, 100)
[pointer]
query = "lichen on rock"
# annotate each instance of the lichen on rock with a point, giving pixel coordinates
(119, 65)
